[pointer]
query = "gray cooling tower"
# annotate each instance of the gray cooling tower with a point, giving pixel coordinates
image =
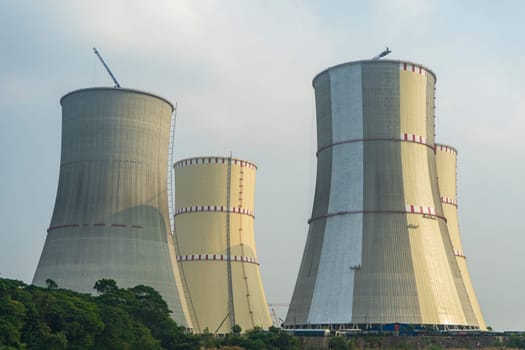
(111, 212)
(378, 250)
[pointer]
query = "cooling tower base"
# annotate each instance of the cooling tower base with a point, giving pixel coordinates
(380, 326)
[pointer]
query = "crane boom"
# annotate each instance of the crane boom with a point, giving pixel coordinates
(382, 54)
(117, 85)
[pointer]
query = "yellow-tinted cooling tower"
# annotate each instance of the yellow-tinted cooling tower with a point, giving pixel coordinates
(446, 159)
(378, 250)
(214, 221)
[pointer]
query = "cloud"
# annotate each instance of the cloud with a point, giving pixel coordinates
(501, 133)
(404, 8)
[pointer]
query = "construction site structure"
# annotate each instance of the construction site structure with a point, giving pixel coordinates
(111, 212)
(378, 250)
(446, 161)
(214, 234)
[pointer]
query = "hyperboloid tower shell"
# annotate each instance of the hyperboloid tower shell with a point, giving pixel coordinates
(378, 249)
(446, 160)
(111, 212)
(214, 221)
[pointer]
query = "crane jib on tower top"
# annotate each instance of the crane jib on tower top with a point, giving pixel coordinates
(382, 54)
(117, 85)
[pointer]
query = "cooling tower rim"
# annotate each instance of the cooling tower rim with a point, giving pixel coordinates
(213, 160)
(444, 148)
(95, 88)
(373, 61)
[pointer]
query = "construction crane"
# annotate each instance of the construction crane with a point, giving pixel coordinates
(382, 54)
(277, 321)
(117, 85)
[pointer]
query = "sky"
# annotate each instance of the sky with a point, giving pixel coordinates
(240, 72)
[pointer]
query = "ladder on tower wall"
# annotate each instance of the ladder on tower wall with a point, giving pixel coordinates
(171, 197)
(231, 306)
(171, 213)
(241, 243)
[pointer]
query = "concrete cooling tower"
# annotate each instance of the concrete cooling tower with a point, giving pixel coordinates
(378, 250)
(214, 221)
(446, 160)
(111, 212)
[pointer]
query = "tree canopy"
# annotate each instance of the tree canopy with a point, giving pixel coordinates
(116, 318)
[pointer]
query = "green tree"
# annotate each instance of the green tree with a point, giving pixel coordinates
(145, 308)
(74, 315)
(12, 314)
(51, 284)
(273, 338)
(106, 286)
(32, 317)
(146, 304)
(338, 343)
(516, 341)
(55, 341)
(208, 340)
(118, 329)
(10, 335)
(236, 329)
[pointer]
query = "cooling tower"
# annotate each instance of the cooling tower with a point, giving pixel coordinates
(214, 221)
(111, 212)
(378, 249)
(446, 160)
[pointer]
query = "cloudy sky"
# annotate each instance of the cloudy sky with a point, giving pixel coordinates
(241, 73)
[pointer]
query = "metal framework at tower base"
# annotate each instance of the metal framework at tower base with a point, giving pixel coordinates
(380, 326)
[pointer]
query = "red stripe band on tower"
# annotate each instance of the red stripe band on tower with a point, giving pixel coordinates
(446, 149)
(409, 67)
(414, 138)
(448, 200)
(217, 257)
(98, 224)
(419, 209)
(214, 208)
(459, 253)
(62, 226)
(402, 137)
(214, 160)
(409, 209)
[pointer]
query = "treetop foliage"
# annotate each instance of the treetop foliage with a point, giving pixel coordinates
(52, 318)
